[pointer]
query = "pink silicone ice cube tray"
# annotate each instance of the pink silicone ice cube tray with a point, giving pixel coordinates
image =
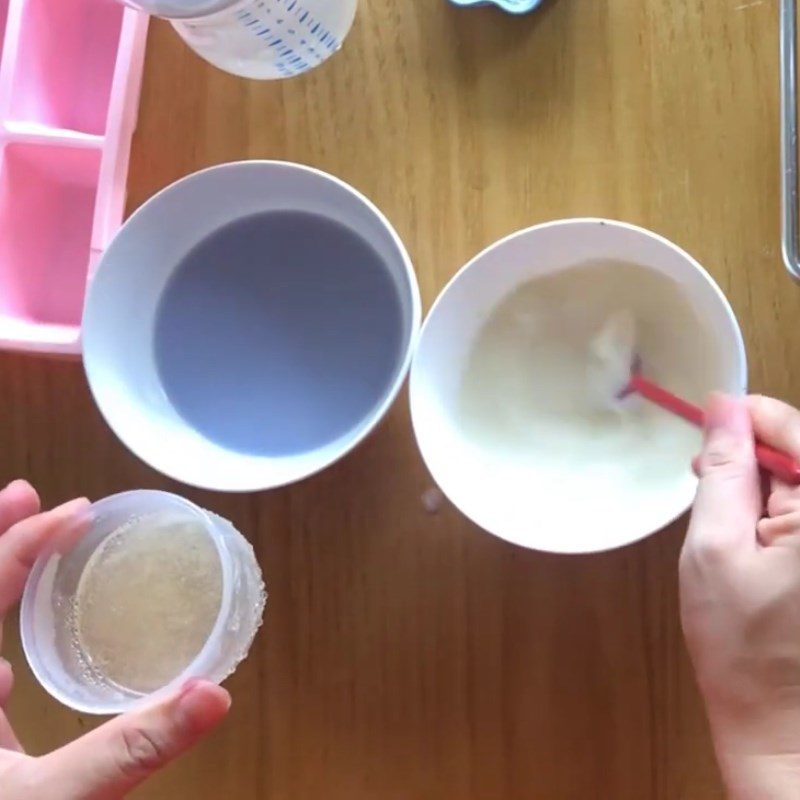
(70, 73)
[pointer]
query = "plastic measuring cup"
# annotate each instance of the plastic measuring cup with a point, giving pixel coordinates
(263, 39)
(47, 617)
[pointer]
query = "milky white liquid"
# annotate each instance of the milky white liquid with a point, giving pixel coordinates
(554, 446)
(147, 601)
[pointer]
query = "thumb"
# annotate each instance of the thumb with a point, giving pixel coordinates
(728, 502)
(116, 757)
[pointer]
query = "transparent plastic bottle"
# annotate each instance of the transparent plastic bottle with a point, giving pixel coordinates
(261, 39)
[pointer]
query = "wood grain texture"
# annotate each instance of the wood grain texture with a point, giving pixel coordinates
(407, 655)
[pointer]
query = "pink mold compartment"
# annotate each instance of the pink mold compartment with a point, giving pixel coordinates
(70, 74)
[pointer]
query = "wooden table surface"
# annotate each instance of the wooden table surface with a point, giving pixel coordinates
(407, 654)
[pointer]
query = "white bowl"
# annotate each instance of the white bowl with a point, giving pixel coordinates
(121, 310)
(461, 466)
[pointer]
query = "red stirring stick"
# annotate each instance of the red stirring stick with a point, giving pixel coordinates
(780, 464)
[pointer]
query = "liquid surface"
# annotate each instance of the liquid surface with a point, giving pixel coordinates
(147, 601)
(279, 333)
(539, 401)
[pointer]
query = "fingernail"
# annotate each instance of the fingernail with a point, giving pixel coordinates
(20, 491)
(201, 704)
(726, 413)
(77, 520)
(728, 433)
(6, 681)
(72, 507)
(189, 687)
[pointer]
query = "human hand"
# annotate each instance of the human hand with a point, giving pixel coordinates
(116, 757)
(740, 597)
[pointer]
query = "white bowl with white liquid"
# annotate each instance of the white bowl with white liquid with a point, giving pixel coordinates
(103, 634)
(554, 481)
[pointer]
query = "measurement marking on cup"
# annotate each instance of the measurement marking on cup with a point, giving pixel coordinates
(294, 57)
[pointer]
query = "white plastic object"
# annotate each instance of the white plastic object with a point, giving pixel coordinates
(46, 605)
(123, 300)
(261, 39)
(459, 466)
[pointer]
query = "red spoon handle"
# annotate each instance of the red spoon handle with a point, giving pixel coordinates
(781, 465)
(671, 402)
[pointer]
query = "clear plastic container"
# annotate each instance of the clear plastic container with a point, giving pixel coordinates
(262, 39)
(47, 617)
